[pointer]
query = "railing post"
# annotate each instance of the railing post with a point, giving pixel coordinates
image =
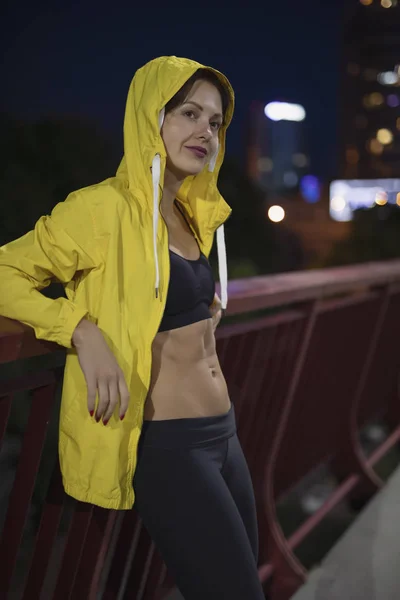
(5, 406)
(46, 537)
(24, 482)
(288, 572)
(351, 459)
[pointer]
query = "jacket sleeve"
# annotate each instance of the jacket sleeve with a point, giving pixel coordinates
(59, 245)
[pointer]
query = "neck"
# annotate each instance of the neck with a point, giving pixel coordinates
(172, 183)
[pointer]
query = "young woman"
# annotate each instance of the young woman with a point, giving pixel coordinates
(138, 322)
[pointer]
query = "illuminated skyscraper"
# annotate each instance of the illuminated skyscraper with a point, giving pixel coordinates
(276, 149)
(369, 139)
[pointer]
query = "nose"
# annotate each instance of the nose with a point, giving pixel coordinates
(204, 130)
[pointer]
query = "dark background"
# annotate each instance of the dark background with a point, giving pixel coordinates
(79, 57)
(66, 70)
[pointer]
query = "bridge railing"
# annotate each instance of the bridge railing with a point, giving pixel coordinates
(309, 358)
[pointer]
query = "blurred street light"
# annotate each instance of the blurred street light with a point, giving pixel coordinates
(285, 111)
(381, 198)
(276, 214)
(388, 78)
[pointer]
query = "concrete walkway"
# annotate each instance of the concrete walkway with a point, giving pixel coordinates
(365, 563)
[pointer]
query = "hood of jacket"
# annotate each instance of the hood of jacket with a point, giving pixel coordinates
(142, 167)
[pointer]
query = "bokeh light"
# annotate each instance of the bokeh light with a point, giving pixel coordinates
(388, 78)
(265, 164)
(352, 156)
(381, 198)
(384, 136)
(393, 100)
(374, 146)
(290, 179)
(284, 111)
(276, 214)
(310, 188)
(373, 100)
(300, 160)
(338, 203)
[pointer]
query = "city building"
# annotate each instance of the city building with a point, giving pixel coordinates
(276, 151)
(369, 95)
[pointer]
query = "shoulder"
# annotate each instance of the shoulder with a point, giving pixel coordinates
(104, 203)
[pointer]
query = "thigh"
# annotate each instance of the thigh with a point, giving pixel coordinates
(190, 514)
(238, 479)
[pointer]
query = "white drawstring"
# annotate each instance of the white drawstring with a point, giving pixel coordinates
(221, 247)
(222, 266)
(213, 159)
(156, 174)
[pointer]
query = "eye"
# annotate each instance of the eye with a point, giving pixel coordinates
(190, 114)
(216, 125)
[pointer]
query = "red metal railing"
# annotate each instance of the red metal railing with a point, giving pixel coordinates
(303, 379)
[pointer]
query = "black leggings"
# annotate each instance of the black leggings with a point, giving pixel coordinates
(195, 497)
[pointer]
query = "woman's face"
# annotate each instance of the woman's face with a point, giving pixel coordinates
(190, 131)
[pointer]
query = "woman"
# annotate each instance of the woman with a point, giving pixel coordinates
(138, 323)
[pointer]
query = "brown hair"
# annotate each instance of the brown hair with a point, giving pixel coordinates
(204, 75)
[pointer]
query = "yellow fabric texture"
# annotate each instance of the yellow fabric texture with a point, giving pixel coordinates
(99, 244)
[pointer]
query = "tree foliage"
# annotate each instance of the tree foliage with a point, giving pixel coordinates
(374, 235)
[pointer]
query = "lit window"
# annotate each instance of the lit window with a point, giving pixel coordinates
(265, 164)
(290, 179)
(352, 156)
(373, 100)
(375, 147)
(300, 160)
(384, 136)
(376, 99)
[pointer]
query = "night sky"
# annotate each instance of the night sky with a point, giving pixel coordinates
(79, 58)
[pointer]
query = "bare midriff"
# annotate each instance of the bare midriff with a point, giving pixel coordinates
(186, 377)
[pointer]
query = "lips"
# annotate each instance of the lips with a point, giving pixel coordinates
(199, 151)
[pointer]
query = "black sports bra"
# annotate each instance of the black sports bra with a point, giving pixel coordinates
(190, 293)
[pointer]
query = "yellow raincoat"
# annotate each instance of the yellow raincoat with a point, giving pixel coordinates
(106, 244)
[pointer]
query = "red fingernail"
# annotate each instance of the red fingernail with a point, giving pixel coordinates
(105, 422)
(122, 418)
(91, 412)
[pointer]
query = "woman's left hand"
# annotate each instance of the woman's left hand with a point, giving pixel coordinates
(216, 311)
